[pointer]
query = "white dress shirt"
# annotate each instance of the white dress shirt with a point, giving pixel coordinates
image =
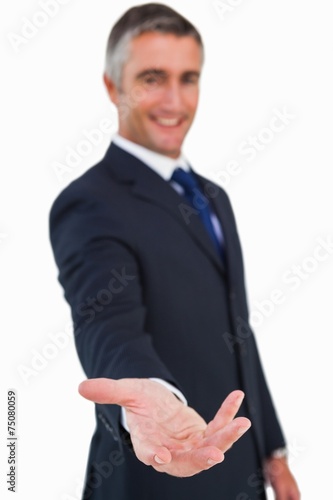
(161, 164)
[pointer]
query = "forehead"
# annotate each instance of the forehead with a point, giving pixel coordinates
(167, 52)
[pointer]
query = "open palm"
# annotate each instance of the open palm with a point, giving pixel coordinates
(165, 433)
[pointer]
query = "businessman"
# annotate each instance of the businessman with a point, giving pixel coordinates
(150, 262)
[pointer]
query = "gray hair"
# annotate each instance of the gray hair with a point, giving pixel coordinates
(145, 18)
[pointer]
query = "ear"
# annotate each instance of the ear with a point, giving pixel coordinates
(111, 89)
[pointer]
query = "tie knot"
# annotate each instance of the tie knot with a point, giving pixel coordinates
(185, 179)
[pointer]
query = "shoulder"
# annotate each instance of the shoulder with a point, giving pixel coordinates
(96, 186)
(85, 185)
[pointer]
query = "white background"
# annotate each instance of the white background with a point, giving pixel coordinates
(261, 55)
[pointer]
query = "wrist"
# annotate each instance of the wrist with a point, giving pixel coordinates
(167, 385)
(171, 388)
(279, 453)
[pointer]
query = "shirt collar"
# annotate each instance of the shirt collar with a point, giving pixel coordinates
(161, 164)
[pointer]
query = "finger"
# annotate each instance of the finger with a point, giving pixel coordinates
(224, 438)
(108, 391)
(151, 454)
(226, 413)
(202, 458)
(186, 464)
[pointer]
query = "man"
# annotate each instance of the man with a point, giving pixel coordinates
(151, 265)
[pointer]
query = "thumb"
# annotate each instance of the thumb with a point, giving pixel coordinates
(108, 391)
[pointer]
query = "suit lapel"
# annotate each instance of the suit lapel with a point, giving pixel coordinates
(222, 209)
(148, 185)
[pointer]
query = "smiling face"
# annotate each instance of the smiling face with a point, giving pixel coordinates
(159, 92)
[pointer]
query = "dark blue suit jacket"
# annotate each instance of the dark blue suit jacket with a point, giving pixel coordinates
(150, 297)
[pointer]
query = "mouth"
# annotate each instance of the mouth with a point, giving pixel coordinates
(168, 122)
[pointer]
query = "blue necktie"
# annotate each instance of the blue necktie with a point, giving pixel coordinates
(194, 194)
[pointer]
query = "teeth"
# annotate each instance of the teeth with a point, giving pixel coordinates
(168, 122)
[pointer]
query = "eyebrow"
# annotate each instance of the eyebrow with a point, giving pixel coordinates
(151, 72)
(162, 73)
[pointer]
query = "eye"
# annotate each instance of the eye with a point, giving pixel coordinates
(191, 79)
(153, 79)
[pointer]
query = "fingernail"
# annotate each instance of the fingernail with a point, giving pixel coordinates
(210, 461)
(243, 429)
(158, 460)
(240, 398)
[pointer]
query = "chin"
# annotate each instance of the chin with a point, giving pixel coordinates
(169, 147)
(174, 152)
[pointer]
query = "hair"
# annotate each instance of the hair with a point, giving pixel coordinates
(151, 17)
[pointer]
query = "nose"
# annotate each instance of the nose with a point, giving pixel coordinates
(172, 98)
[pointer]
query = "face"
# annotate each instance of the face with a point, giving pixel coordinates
(159, 91)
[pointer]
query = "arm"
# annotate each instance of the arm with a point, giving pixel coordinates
(102, 280)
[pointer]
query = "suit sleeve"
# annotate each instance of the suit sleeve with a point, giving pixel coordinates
(102, 280)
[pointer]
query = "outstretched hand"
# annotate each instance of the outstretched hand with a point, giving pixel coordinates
(165, 433)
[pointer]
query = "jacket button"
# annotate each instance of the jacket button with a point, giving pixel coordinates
(232, 295)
